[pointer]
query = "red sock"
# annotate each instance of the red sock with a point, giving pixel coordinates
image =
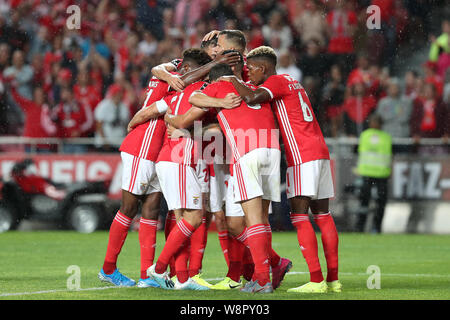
(198, 245)
(223, 240)
(171, 221)
(235, 254)
(248, 267)
(308, 245)
(147, 242)
(274, 257)
(179, 235)
(181, 263)
(330, 241)
(117, 234)
(257, 238)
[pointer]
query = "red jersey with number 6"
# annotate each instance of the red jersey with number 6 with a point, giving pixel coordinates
(303, 140)
(145, 141)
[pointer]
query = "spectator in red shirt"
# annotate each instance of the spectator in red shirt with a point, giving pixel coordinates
(38, 123)
(357, 108)
(430, 116)
(73, 120)
(341, 29)
(86, 93)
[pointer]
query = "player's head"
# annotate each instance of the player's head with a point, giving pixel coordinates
(220, 70)
(231, 39)
(237, 68)
(193, 58)
(210, 46)
(261, 63)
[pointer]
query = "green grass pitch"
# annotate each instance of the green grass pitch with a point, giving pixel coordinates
(33, 265)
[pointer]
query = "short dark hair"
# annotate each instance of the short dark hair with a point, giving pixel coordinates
(220, 70)
(263, 52)
(196, 55)
(235, 36)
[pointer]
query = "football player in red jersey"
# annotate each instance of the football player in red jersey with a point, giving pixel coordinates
(253, 191)
(308, 178)
(139, 152)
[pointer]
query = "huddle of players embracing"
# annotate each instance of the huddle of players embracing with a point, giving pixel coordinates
(207, 138)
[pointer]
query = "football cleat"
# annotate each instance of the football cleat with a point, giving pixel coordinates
(280, 271)
(116, 278)
(147, 283)
(248, 287)
(334, 286)
(162, 279)
(267, 288)
(311, 287)
(198, 279)
(189, 285)
(227, 284)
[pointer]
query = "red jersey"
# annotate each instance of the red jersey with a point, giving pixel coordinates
(183, 150)
(302, 137)
(245, 127)
(145, 141)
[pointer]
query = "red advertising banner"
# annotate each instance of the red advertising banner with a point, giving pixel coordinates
(67, 168)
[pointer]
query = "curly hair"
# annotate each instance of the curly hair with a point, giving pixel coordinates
(196, 55)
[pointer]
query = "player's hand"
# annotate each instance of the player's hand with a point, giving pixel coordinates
(211, 35)
(176, 83)
(231, 101)
(129, 128)
(230, 58)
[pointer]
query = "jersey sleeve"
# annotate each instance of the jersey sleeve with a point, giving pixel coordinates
(276, 86)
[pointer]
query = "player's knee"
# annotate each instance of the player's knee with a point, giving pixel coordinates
(193, 217)
(129, 209)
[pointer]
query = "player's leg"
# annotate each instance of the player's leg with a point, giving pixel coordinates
(117, 234)
(200, 236)
(171, 221)
(222, 233)
(330, 241)
(148, 226)
(258, 241)
(132, 172)
(306, 184)
(182, 191)
(307, 240)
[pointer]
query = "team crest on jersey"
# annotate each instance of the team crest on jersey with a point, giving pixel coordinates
(196, 200)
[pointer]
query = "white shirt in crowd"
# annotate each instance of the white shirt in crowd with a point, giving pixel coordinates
(115, 119)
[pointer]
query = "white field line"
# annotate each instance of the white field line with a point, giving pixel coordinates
(418, 275)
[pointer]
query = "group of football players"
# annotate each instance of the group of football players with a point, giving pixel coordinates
(208, 139)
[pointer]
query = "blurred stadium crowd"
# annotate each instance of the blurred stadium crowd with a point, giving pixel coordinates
(56, 82)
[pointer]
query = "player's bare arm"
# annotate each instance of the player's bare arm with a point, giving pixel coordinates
(144, 115)
(230, 58)
(163, 72)
(201, 100)
(250, 96)
(186, 120)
